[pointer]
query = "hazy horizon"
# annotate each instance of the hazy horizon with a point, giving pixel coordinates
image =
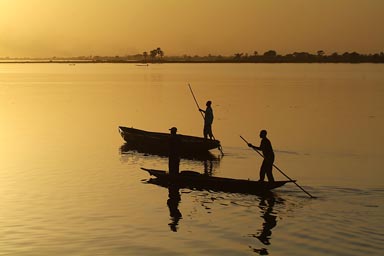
(46, 28)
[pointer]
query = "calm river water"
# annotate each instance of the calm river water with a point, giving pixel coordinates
(68, 186)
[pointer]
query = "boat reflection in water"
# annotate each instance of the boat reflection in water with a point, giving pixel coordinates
(267, 200)
(128, 148)
(266, 205)
(208, 159)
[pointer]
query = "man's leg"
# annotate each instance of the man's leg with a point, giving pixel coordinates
(262, 171)
(270, 175)
(269, 168)
(210, 132)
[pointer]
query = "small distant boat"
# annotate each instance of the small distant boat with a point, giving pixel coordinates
(158, 142)
(195, 180)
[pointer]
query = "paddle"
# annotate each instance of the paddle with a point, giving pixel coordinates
(280, 170)
(198, 107)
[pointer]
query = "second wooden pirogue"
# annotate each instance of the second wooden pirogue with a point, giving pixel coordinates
(195, 180)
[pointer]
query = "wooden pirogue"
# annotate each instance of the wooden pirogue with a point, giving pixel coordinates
(158, 142)
(195, 180)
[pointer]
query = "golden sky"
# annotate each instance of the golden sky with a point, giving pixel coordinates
(46, 28)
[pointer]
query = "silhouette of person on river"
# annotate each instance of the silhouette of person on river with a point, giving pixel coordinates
(174, 152)
(268, 154)
(208, 120)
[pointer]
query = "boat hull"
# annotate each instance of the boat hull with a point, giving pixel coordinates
(159, 142)
(194, 180)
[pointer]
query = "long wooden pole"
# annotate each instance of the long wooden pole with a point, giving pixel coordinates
(280, 170)
(197, 104)
(198, 108)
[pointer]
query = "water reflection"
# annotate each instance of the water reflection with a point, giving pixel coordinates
(266, 209)
(128, 148)
(173, 201)
(207, 162)
(208, 167)
(218, 201)
(269, 217)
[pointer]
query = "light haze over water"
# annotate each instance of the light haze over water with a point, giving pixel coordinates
(67, 188)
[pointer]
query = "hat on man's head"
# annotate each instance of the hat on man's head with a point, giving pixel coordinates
(173, 129)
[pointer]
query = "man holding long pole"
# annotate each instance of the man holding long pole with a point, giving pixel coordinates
(208, 120)
(268, 154)
(272, 165)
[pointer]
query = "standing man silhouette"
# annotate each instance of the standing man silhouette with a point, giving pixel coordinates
(268, 154)
(174, 152)
(208, 120)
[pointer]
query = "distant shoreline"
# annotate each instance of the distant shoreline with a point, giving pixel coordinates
(156, 56)
(181, 62)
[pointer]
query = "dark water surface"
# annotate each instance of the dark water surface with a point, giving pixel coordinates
(69, 187)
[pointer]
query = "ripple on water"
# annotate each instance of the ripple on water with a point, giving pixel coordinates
(338, 223)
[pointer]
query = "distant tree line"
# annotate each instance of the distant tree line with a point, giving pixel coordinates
(157, 56)
(271, 56)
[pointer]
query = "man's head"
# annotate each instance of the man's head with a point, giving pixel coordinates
(208, 104)
(263, 134)
(173, 130)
